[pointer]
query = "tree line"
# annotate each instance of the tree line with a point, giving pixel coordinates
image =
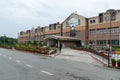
(7, 42)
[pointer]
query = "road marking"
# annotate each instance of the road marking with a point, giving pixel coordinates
(17, 61)
(47, 73)
(28, 65)
(10, 58)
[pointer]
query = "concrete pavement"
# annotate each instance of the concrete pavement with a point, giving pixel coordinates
(76, 55)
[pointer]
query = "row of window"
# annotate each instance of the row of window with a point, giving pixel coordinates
(77, 33)
(103, 42)
(92, 21)
(103, 17)
(103, 30)
(51, 27)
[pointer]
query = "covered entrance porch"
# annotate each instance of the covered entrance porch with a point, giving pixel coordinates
(55, 41)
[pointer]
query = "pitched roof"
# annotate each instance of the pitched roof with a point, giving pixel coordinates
(73, 14)
(62, 38)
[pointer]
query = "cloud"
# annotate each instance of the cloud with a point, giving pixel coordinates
(24, 14)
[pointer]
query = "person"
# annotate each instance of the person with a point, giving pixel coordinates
(60, 47)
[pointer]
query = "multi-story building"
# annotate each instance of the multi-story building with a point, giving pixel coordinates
(39, 33)
(105, 28)
(99, 30)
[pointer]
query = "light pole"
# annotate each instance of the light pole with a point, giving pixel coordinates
(4, 40)
(110, 12)
(72, 32)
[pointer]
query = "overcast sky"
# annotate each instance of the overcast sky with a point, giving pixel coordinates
(21, 15)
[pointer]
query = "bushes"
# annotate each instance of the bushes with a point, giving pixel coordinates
(113, 62)
(32, 47)
(115, 48)
(118, 63)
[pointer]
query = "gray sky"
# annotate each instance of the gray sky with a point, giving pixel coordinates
(21, 15)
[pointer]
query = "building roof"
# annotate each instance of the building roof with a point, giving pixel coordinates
(71, 15)
(62, 38)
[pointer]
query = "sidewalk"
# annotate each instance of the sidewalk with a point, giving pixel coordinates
(81, 56)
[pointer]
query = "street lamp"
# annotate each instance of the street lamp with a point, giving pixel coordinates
(72, 32)
(4, 40)
(110, 12)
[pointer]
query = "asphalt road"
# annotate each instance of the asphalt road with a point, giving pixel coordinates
(17, 65)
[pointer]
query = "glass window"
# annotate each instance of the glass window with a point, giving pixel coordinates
(104, 18)
(73, 22)
(90, 21)
(93, 21)
(104, 30)
(92, 32)
(100, 18)
(113, 16)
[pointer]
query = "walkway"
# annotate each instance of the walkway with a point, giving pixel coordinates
(77, 55)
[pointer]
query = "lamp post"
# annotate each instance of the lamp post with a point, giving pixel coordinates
(4, 40)
(109, 12)
(72, 32)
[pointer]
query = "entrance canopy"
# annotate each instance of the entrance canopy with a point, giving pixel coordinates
(65, 41)
(62, 38)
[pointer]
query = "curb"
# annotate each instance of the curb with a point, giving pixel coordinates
(96, 58)
(99, 60)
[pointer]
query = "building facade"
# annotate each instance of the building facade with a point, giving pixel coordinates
(99, 30)
(105, 28)
(39, 33)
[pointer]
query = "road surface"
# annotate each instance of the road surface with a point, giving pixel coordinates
(17, 65)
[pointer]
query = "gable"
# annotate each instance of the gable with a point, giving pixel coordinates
(74, 20)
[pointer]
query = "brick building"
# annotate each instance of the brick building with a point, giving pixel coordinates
(98, 30)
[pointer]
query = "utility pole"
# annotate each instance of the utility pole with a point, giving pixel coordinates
(4, 40)
(109, 12)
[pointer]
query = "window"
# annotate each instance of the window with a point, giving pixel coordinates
(100, 18)
(54, 27)
(92, 32)
(42, 29)
(78, 21)
(36, 30)
(115, 29)
(73, 22)
(113, 16)
(93, 21)
(50, 27)
(104, 18)
(103, 30)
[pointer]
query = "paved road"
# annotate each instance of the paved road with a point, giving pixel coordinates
(16, 65)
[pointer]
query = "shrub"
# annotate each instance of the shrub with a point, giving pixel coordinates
(113, 60)
(118, 61)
